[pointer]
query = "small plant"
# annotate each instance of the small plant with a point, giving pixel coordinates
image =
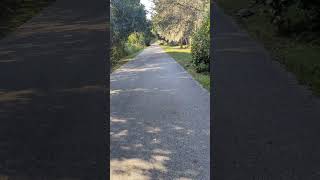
(136, 38)
(117, 52)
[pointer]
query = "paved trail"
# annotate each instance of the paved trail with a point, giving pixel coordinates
(52, 94)
(159, 120)
(266, 124)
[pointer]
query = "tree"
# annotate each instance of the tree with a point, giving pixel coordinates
(175, 20)
(127, 16)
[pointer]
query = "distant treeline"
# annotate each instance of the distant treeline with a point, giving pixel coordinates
(130, 29)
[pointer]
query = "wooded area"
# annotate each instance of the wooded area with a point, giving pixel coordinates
(130, 29)
(185, 23)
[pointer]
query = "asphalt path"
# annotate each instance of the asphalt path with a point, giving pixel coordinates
(160, 120)
(266, 125)
(52, 94)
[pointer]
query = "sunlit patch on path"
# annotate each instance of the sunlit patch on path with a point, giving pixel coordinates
(159, 124)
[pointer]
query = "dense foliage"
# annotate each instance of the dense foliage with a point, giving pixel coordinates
(136, 38)
(8, 7)
(293, 16)
(129, 27)
(176, 20)
(200, 47)
(185, 23)
(135, 42)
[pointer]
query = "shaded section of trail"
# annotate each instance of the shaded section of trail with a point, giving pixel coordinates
(159, 120)
(52, 97)
(266, 125)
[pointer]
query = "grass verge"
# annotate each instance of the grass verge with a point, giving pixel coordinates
(299, 57)
(124, 60)
(19, 13)
(183, 57)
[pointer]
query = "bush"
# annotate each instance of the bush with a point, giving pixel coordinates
(200, 47)
(136, 38)
(117, 52)
(131, 48)
(134, 43)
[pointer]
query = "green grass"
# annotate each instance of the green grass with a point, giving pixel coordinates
(126, 59)
(183, 57)
(299, 57)
(26, 10)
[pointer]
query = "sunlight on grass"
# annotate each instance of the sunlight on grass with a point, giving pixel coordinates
(183, 57)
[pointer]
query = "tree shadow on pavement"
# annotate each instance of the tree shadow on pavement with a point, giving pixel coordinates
(159, 136)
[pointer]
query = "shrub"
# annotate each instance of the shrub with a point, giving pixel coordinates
(135, 42)
(200, 47)
(136, 38)
(131, 48)
(117, 52)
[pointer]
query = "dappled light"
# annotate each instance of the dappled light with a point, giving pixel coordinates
(11, 96)
(135, 90)
(115, 120)
(119, 134)
(138, 69)
(132, 169)
(157, 131)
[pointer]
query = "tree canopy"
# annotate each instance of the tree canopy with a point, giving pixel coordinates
(127, 16)
(177, 19)
(131, 31)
